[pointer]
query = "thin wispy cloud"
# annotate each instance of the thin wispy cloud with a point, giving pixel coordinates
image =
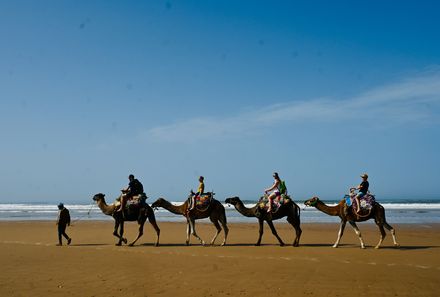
(411, 100)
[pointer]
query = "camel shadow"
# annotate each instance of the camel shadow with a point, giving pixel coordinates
(165, 245)
(249, 244)
(89, 244)
(317, 245)
(411, 247)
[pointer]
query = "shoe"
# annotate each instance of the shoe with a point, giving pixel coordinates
(69, 241)
(59, 244)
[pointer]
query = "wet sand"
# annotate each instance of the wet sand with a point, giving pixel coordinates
(93, 266)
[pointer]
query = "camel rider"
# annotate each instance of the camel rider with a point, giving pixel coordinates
(279, 188)
(200, 191)
(134, 188)
(363, 189)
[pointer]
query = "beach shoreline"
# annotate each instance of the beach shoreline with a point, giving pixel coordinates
(94, 266)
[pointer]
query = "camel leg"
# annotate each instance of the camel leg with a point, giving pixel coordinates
(393, 233)
(193, 231)
(225, 228)
(340, 233)
(121, 233)
(274, 232)
(219, 229)
(153, 223)
(260, 232)
(358, 233)
(382, 235)
(296, 225)
(140, 233)
(118, 225)
(188, 232)
(115, 230)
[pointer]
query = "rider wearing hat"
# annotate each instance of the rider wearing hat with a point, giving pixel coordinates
(363, 189)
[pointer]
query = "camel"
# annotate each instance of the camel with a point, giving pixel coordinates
(215, 212)
(377, 212)
(290, 210)
(139, 215)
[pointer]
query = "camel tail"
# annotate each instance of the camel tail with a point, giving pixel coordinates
(298, 209)
(224, 213)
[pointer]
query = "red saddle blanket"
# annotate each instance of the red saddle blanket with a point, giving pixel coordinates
(263, 203)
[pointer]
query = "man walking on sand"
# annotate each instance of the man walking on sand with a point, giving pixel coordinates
(62, 222)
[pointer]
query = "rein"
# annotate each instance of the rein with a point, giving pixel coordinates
(81, 217)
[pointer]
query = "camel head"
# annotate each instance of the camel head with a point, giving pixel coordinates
(232, 200)
(158, 203)
(98, 197)
(312, 201)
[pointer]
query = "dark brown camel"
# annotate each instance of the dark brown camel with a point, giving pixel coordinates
(215, 212)
(377, 213)
(290, 210)
(140, 215)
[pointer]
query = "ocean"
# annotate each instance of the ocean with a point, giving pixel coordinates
(396, 211)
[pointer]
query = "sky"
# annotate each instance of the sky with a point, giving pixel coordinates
(318, 91)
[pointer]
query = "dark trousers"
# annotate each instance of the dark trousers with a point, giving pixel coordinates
(62, 231)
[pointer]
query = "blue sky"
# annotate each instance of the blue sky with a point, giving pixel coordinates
(320, 92)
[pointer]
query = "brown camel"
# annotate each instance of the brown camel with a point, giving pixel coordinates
(377, 212)
(290, 210)
(215, 212)
(140, 215)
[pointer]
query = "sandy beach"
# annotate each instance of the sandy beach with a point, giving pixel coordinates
(93, 266)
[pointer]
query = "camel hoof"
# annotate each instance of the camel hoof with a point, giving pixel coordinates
(124, 240)
(335, 246)
(156, 244)
(118, 244)
(257, 244)
(397, 245)
(377, 247)
(363, 247)
(131, 244)
(281, 244)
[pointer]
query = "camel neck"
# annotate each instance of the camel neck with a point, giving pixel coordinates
(247, 212)
(106, 209)
(176, 209)
(330, 210)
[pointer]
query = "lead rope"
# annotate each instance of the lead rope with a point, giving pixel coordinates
(81, 217)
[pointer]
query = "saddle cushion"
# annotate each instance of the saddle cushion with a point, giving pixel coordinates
(133, 202)
(366, 202)
(203, 201)
(276, 203)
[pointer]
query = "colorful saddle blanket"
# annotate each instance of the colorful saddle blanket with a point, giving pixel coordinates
(263, 203)
(366, 202)
(202, 202)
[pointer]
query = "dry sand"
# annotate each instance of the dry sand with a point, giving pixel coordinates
(31, 264)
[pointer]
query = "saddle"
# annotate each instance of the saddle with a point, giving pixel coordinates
(137, 201)
(202, 202)
(366, 203)
(279, 201)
